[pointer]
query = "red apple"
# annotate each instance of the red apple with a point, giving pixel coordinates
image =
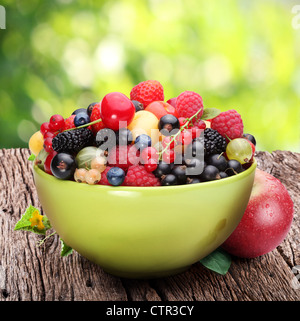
(266, 221)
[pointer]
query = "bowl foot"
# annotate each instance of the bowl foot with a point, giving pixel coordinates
(146, 274)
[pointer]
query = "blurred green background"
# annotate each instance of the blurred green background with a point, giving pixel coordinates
(56, 56)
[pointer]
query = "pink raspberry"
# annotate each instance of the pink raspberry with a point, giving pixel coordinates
(229, 124)
(188, 103)
(138, 176)
(123, 156)
(103, 180)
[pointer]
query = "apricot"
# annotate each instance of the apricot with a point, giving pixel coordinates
(145, 122)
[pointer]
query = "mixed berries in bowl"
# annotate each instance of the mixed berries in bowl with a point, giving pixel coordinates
(141, 185)
(142, 134)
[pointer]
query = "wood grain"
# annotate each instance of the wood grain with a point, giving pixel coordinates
(32, 273)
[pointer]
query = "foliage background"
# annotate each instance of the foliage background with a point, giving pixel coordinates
(59, 55)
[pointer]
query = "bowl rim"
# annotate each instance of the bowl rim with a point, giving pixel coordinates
(218, 182)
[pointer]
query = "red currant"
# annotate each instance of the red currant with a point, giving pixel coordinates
(57, 122)
(48, 145)
(168, 141)
(149, 153)
(151, 165)
(195, 132)
(45, 127)
(169, 156)
(199, 124)
(47, 164)
(49, 135)
(185, 137)
(117, 110)
(182, 121)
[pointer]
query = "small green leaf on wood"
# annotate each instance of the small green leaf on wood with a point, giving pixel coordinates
(218, 261)
(25, 223)
(31, 157)
(210, 113)
(65, 249)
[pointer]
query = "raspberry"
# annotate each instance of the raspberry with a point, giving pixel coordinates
(96, 114)
(188, 104)
(123, 156)
(229, 124)
(138, 176)
(104, 180)
(147, 91)
(69, 122)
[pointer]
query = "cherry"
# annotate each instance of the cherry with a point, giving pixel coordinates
(117, 110)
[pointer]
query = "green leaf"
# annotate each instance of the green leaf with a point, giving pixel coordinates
(25, 225)
(218, 261)
(65, 249)
(210, 113)
(31, 157)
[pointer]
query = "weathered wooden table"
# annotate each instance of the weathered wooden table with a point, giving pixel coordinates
(29, 272)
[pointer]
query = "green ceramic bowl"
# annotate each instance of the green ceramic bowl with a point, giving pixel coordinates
(145, 232)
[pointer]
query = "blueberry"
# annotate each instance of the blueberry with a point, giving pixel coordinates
(142, 141)
(81, 118)
(63, 166)
(115, 176)
(168, 125)
(90, 108)
(251, 138)
(138, 106)
(79, 110)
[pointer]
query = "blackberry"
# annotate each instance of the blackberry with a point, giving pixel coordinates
(214, 143)
(72, 141)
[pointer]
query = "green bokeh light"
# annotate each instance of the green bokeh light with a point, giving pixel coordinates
(56, 56)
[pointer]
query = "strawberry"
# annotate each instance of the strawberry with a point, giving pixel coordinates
(147, 91)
